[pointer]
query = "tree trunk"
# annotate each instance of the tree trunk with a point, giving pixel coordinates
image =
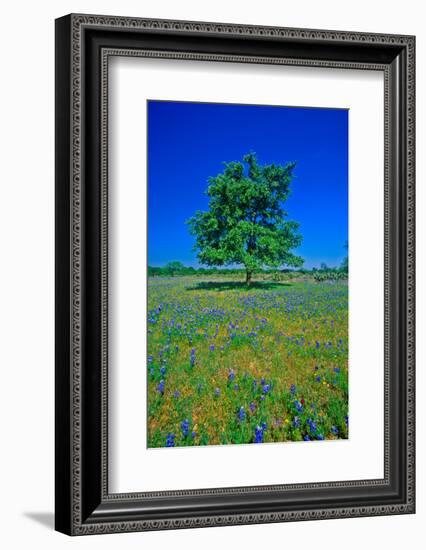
(248, 277)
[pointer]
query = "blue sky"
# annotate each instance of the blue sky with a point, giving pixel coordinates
(188, 143)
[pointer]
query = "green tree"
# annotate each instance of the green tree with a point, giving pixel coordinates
(245, 223)
(174, 267)
(345, 263)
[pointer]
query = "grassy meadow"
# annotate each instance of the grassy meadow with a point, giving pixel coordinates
(231, 364)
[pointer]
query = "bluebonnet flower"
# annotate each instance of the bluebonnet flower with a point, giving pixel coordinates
(241, 414)
(320, 437)
(170, 440)
(211, 348)
(258, 433)
(176, 347)
(334, 430)
(160, 387)
(252, 406)
(312, 425)
(296, 422)
(266, 388)
(317, 344)
(150, 358)
(217, 392)
(347, 420)
(163, 371)
(231, 375)
(176, 394)
(192, 357)
(336, 369)
(236, 387)
(193, 435)
(185, 427)
(293, 389)
(298, 406)
(262, 381)
(318, 378)
(152, 371)
(262, 398)
(306, 438)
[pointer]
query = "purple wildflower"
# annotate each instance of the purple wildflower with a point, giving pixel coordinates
(170, 440)
(258, 433)
(312, 425)
(299, 406)
(241, 414)
(185, 427)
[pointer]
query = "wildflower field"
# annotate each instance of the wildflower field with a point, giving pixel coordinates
(231, 364)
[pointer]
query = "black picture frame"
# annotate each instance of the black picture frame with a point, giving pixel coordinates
(83, 45)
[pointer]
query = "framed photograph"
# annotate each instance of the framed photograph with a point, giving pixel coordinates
(234, 274)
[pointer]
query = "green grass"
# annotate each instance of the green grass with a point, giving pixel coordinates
(277, 350)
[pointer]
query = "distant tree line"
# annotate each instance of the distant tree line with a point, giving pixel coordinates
(323, 273)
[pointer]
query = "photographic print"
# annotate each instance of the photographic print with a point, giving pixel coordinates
(247, 329)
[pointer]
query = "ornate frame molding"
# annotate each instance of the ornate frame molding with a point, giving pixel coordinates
(72, 47)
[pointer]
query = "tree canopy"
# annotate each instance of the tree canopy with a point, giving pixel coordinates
(246, 222)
